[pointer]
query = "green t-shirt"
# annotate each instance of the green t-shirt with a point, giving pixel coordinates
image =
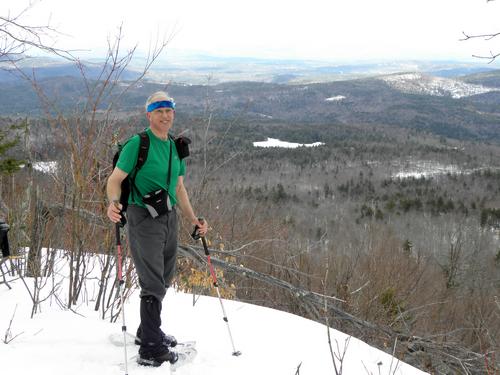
(153, 174)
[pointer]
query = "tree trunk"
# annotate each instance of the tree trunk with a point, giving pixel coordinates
(35, 253)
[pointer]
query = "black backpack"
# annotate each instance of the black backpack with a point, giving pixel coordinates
(4, 239)
(181, 144)
(128, 183)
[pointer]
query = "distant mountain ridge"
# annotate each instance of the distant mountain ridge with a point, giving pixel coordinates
(461, 108)
(92, 71)
(205, 69)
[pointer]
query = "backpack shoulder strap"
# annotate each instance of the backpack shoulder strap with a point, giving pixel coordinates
(143, 150)
(141, 158)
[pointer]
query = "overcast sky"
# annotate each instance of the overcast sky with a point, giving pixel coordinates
(335, 30)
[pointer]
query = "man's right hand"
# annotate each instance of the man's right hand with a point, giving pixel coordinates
(114, 212)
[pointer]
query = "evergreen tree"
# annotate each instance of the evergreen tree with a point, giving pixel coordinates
(9, 164)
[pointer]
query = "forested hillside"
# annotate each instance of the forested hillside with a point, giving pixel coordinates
(363, 102)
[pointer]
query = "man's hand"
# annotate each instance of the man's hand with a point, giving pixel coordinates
(202, 225)
(114, 210)
(113, 191)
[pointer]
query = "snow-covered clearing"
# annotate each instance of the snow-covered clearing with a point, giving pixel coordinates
(336, 98)
(57, 341)
(273, 142)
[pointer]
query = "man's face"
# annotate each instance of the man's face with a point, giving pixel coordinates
(161, 119)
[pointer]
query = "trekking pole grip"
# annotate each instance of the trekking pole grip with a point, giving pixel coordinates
(197, 236)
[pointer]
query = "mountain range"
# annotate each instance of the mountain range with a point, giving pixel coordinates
(432, 97)
(206, 69)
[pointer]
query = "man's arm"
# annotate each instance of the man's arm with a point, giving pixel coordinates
(113, 191)
(186, 208)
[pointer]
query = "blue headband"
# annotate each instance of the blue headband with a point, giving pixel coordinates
(162, 104)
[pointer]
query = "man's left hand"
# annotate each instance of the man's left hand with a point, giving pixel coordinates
(202, 225)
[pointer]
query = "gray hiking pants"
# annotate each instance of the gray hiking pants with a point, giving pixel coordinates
(153, 244)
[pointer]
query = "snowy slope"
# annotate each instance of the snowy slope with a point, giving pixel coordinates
(57, 342)
(418, 83)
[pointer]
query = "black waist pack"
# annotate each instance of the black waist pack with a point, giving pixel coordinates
(157, 203)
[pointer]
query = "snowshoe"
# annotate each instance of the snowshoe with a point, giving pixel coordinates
(157, 360)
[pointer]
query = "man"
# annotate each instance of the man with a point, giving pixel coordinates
(153, 240)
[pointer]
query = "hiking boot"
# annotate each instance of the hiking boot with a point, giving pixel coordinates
(167, 340)
(157, 360)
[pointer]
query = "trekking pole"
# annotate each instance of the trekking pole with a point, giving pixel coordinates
(120, 289)
(196, 236)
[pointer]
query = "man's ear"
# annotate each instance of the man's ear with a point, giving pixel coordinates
(148, 115)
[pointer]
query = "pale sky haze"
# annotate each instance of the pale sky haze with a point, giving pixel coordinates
(334, 30)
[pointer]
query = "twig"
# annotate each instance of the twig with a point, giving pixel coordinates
(361, 288)
(328, 323)
(8, 333)
(232, 251)
(484, 36)
(368, 372)
(297, 372)
(392, 359)
(2, 261)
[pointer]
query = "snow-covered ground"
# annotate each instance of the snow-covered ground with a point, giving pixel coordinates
(46, 166)
(418, 83)
(273, 142)
(430, 169)
(336, 98)
(61, 342)
(427, 169)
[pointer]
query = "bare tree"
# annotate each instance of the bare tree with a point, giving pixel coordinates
(72, 199)
(17, 37)
(75, 198)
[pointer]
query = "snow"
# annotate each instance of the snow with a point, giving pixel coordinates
(46, 166)
(427, 169)
(336, 98)
(273, 142)
(417, 83)
(430, 169)
(264, 115)
(61, 342)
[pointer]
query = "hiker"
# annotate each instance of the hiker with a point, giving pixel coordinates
(152, 221)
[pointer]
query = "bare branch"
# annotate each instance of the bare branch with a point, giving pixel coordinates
(2, 261)
(479, 36)
(486, 37)
(492, 57)
(8, 333)
(297, 372)
(17, 37)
